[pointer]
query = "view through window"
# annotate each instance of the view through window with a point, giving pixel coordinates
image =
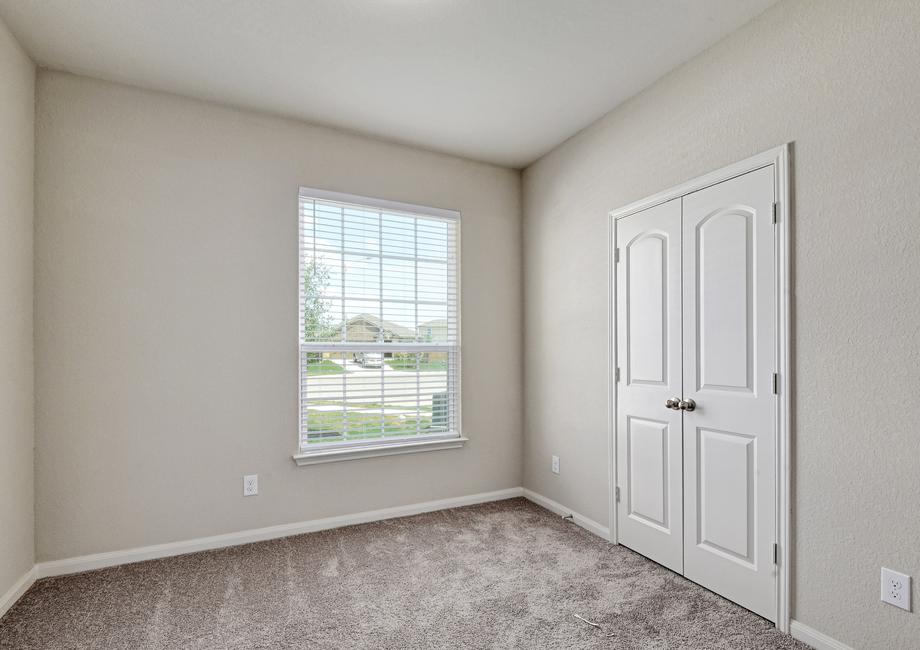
(379, 339)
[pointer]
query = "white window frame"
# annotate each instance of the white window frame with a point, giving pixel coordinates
(338, 451)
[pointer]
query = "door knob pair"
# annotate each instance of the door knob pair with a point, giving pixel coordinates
(677, 404)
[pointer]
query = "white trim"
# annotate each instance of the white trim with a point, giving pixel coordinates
(780, 158)
(612, 380)
(316, 448)
(814, 638)
(769, 157)
(380, 204)
(588, 524)
(784, 367)
(15, 592)
(114, 558)
(386, 448)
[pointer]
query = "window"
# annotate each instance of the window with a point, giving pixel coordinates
(379, 327)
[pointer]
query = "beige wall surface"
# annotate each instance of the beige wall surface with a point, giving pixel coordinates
(166, 313)
(840, 79)
(17, 142)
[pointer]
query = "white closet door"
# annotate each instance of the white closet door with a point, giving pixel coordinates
(729, 327)
(649, 452)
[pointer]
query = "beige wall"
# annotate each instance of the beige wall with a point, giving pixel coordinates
(840, 78)
(166, 312)
(17, 138)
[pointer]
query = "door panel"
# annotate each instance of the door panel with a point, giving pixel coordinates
(729, 326)
(649, 446)
(724, 348)
(726, 487)
(647, 463)
(647, 327)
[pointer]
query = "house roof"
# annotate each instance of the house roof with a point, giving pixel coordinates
(437, 322)
(383, 325)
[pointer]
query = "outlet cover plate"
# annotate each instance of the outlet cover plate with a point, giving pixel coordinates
(555, 464)
(250, 485)
(896, 589)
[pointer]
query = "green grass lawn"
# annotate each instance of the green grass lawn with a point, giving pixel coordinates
(423, 366)
(324, 367)
(368, 425)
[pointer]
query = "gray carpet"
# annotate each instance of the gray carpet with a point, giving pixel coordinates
(500, 575)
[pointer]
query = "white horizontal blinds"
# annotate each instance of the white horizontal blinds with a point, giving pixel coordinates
(379, 331)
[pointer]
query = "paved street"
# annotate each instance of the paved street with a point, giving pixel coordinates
(396, 389)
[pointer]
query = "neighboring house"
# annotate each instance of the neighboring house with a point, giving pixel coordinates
(433, 330)
(369, 328)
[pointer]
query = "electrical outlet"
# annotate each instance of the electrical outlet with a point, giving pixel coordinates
(895, 589)
(250, 485)
(555, 464)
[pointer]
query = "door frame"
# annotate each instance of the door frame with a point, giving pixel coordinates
(780, 157)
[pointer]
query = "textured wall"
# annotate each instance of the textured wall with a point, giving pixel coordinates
(166, 312)
(840, 78)
(17, 138)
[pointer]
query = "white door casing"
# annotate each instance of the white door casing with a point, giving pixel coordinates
(729, 334)
(649, 445)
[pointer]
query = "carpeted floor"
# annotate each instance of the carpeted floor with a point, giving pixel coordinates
(502, 575)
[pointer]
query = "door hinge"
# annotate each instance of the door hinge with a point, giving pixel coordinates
(776, 383)
(617, 374)
(618, 493)
(774, 213)
(616, 256)
(776, 554)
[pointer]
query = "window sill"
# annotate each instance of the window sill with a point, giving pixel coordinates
(372, 451)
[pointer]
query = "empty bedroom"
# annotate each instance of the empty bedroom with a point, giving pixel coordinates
(459, 324)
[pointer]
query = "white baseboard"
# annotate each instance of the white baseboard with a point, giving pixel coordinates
(815, 639)
(588, 524)
(113, 558)
(127, 556)
(15, 592)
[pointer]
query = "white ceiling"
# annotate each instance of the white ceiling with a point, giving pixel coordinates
(497, 80)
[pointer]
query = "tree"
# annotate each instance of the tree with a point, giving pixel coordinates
(317, 321)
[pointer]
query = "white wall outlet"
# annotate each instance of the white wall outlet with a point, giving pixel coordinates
(555, 464)
(895, 589)
(250, 485)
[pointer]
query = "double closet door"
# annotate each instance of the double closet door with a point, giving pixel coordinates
(696, 420)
